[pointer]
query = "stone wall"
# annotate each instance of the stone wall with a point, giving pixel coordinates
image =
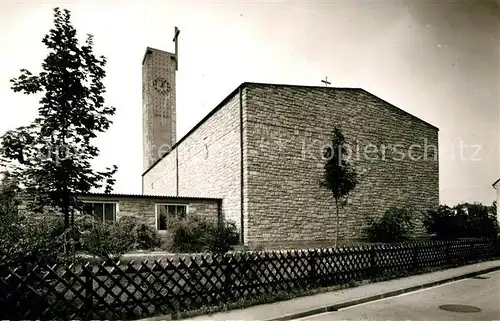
(161, 179)
(208, 162)
(287, 128)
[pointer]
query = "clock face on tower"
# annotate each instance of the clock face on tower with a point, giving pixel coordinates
(161, 85)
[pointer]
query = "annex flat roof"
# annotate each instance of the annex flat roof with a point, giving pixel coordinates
(121, 195)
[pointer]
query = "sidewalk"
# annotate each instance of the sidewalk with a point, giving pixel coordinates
(330, 301)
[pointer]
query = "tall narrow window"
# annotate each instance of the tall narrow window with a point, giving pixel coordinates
(168, 212)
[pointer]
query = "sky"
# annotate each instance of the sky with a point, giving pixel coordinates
(439, 61)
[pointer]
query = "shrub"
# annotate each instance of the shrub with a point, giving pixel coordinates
(10, 233)
(461, 221)
(225, 236)
(145, 237)
(396, 225)
(107, 240)
(191, 234)
(24, 239)
(195, 234)
(36, 241)
(111, 240)
(9, 191)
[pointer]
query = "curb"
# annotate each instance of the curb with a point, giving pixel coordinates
(346, 304)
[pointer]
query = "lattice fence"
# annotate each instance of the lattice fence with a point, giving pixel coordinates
(141, 289)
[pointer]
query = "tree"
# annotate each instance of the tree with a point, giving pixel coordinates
(339, 177)
(462, 221)
(481, 221)
(443, 222)
(53, 154)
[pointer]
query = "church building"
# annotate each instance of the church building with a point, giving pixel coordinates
(261, 153)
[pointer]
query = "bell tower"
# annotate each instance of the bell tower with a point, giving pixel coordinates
(158, 102)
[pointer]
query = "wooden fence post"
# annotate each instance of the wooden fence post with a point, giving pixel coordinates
(226, 262)
(447, 253)
(89, 289)
(472, 254)
(373, 262)
(312, 264)
(415, 257)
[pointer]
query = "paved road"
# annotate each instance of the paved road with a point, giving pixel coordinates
(424, 304)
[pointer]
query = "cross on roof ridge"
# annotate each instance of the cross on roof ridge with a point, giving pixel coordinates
(326, 82)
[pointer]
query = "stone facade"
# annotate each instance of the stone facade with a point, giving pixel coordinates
(287, 129)
(208, 162)
(261, 151)
(158, 97)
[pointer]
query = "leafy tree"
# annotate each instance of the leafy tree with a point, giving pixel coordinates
(481, 221)
(461, 221)
(53, 154)
(339, 177)
(493, 211)
(443, 222)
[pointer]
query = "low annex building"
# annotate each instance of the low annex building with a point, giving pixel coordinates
(151, 210)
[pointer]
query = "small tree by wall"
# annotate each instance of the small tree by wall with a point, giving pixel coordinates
(339, 177)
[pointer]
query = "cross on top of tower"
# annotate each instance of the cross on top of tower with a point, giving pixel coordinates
(326, 82)
(176, 36)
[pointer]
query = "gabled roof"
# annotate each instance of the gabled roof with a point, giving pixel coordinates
(247, 84)
(495, 183)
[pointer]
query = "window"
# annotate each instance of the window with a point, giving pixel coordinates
(166, 212)
(102, 212)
